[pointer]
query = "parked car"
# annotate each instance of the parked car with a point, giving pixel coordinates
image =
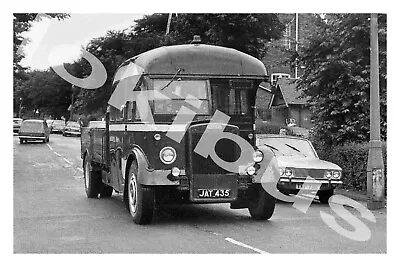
(298, 160)
(72, 128)
(17, 124)
(32, 130)
(57, 126)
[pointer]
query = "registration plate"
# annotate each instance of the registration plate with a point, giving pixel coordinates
(213, 193)
(307, 186)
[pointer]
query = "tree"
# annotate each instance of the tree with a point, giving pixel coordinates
(337, 78)
(45, 91)
(248, 33)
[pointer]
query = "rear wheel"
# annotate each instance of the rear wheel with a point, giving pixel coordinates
(262, 205)
(92, 180)
(21, 141)
(139, 198)
(325, 195)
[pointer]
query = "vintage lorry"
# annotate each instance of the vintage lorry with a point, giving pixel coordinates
(170, 104)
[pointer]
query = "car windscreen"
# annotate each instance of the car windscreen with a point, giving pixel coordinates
(58, 123)
(32, 126)
(181, 93)
(288, 146)
(73, 124)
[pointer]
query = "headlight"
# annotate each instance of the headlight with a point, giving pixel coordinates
(281, 171)
(336, 174)
(258, 156)
(328, 174)
(288, 172)
(251, 170)
(167, 155)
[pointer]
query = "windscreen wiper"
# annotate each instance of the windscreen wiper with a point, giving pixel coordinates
(296, 149)
(173, 78)
(272, 147)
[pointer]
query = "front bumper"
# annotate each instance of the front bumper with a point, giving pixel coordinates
(32, 137)
(298, 183)
(72, 133)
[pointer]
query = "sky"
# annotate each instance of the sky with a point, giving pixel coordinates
(54, 42)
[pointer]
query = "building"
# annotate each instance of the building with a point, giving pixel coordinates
(263, 101)
(287, 106)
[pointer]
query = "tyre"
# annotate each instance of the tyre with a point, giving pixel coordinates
(262, 205)
(92, 180)
(21, 141)
(325, 195)
(106, 191)
(139, 199)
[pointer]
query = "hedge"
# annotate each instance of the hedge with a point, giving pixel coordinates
(353, 159)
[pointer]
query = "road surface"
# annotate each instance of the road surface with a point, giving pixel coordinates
(53, 215)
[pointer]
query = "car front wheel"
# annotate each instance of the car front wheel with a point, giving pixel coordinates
(325, 195)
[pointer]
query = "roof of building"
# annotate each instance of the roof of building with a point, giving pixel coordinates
(290, 94)
(266, 86)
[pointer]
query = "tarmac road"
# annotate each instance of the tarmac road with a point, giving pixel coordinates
(53, 215)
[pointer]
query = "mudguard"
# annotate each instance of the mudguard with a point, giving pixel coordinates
(269, 168)
(146, 175)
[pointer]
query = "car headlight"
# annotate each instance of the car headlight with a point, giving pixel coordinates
(328, 174)
(167, 155)
(288, 172)
(258, 156)
(336, 174)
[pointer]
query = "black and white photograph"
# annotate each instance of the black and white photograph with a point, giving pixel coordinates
(259, 132)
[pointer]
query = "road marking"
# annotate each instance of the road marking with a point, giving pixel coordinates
(233, 241)
(67, 161)
(57, 154)
(80, 169)
(50, 147)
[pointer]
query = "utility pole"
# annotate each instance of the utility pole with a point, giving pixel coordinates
(168, 23)
(297, 43)
(375, 167)
(20, 108)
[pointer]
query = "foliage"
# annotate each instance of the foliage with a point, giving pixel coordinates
(248, 33)
(43, 90)
(353, 159)
(337, 78)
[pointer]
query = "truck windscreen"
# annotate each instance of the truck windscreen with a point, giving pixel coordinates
(179, 94)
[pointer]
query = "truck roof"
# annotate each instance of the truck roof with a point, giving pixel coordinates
(208, 59)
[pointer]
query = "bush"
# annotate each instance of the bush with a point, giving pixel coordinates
(353, 159)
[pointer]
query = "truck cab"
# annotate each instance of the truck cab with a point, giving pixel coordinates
(180, 128)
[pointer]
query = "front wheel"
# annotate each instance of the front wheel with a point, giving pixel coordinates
(325, 195)
(140, 199)
(262, 205)
(92, 180)
(106, 191)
